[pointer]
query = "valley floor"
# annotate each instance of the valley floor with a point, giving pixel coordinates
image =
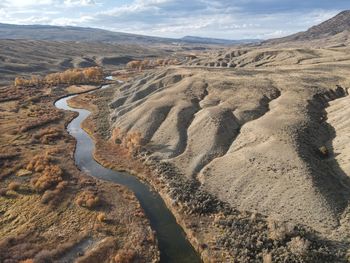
(248, 148)
(270, 118)
(49, 210)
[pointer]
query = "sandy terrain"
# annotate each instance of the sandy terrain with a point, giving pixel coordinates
(338, 118)
(217, 231)
(251, 135)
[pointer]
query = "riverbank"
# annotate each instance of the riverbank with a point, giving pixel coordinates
(218, 232)
(114, 157)
(49, 209)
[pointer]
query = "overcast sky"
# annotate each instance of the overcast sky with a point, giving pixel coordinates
(235, 19)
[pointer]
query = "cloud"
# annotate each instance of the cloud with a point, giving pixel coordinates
(176, 18)
(71, 3)
(214, 18)
(25, 3)
(66, 21)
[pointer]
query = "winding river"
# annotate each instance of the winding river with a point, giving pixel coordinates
(173, 245)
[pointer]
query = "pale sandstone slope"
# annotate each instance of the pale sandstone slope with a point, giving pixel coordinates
(339, 118)
(250, 137)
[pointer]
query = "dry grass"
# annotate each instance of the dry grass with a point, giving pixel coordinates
(9, 95)
(8, 156)
(30, 230)
(43, 119)
(3, 192)
(53, 196)
(48, 135)
(125, 256)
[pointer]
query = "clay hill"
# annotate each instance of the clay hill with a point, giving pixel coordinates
(263, 128)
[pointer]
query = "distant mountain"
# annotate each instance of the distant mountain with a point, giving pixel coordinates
(69, 33)
(338, 25)
(216, 41)
(86, 34)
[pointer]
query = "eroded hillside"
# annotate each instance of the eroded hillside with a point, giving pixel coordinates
(250, 136)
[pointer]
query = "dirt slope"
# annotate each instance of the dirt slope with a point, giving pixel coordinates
(249, 136)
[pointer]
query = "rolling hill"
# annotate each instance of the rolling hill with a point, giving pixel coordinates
(86, 34)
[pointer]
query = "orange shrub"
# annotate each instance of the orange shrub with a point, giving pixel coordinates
(14, 186)
(134, 64)
(87, 199)
(50, 175)
(101, 217)
(93, 74)
(38, 161)
(131, 141)
(70, 76)
(20, 81)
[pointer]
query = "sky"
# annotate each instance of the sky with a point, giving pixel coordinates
(236, 19)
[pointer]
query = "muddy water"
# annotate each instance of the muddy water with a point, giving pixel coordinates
(173, 245)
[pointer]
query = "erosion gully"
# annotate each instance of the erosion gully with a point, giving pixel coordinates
(172, 242)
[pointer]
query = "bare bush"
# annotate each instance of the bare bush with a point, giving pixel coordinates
(280, 230)
(299, 246)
